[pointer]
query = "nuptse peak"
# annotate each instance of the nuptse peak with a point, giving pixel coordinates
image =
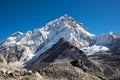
(38, 41)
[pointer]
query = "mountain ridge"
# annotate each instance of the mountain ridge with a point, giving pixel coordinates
(39, 40)
(63, 39)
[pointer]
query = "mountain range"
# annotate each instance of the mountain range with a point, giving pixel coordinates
(61, 50)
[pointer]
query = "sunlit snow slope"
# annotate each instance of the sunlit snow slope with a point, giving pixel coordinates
(38, 41)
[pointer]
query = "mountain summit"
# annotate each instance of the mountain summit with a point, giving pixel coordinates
(63, 39)
(38, 41)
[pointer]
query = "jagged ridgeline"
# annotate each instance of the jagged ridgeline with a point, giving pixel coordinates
(63, 48)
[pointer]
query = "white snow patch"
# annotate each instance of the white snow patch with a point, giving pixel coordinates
(93, 49)
(31, 42)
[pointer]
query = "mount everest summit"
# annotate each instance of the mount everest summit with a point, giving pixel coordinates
(38, 46)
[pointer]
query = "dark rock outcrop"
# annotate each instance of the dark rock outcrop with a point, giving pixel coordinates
(109, 64)
(62, 50)
(11, 54)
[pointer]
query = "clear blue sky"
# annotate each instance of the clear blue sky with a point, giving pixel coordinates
(99, 16)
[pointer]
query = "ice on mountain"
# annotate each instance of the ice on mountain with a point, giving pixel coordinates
(93, 49)
(39, 40)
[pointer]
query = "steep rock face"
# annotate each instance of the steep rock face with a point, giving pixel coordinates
(11, 54)
(63, 51)
(39, 40)
(59, 51)
(64, 54)
(66, 27)
(105, 44)
(109, 63)
(110, 39)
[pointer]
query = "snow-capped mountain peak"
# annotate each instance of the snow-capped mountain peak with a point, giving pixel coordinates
(38, 41)
(64, 27)
(17, 34)
(114, 34)
(67, 21)
(43, 38)
(11, 40)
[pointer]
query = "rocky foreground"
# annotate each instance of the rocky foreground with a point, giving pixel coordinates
(65, 62)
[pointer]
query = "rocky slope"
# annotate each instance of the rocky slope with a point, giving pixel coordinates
(102, 65)
(62, 61)
(39, 40)
(63, 40)
(62, 52)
